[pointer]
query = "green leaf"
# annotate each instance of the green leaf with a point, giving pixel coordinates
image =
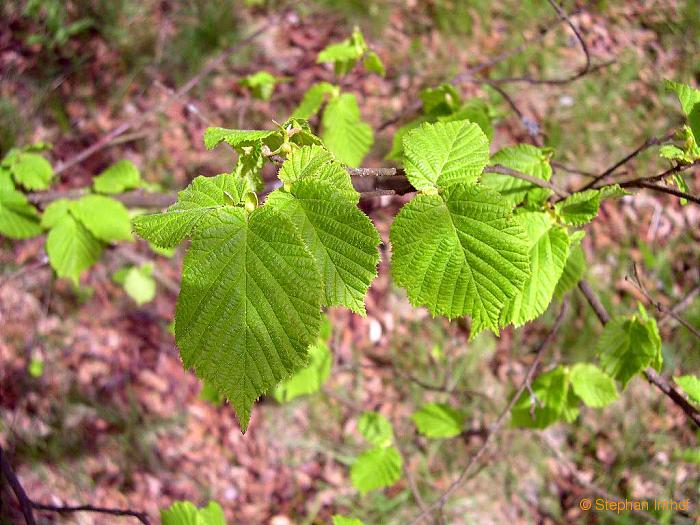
(198, 200)
(261, 83)
(249, 304)
(374, 64)
(211, 394)
(119, 177)
(687, 95)
(582, 207)
(71, 248)
(476, 111)
(524, 158)
(139, 283)
(441, 100)
(32, 171)
(548, 249)
(627, 346)
(437, 155)
(553, 401)
(691, 385)
(376, 468)
(438, 420)
(309, 380)
(595, 387)
(185, 513)
(344, 520)
(344, 55)
(342, 239)
(344, 133)
(237, 138)
(18, 218)
(36, 367)
(376, 429)
(396, 153)
(573, 272)
(317, 163)
(313, 99)
(460, 253)
(106, 218)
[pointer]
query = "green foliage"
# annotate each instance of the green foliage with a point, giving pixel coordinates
(139, 283)
(628, 345)
(344, 133)
(574, 270)
(185, 513)
(548, 250)
(690, 103)
(344, 520)
(524, 158)
(592, 385)
(553, 401)
(120, 176)
(582, 207)
(346, 54)
(106, 218)
(691, 385)
(27, 168)
(460, 253)
(308, 380)
(261, 84)
(438, 420)
(18, 218)
(376, 429)
(313, 99)
(437, 155)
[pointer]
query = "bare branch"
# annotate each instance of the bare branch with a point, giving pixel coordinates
(498, 424)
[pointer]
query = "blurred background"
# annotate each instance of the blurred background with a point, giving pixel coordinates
(94, 403)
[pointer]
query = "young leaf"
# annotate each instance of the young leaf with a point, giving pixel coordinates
(691, 385)
(374, 64)
(579, 208)
(344, 133)
(119, 177)
(441, 100)
(106, 218)
(31, 170)
(261, 84)
(592, 385)
(313, 99)
(308, 380)
(18, 218)
(249, 303)
(344, 55)
(236, 138)
(554, 401)
(199, 199)
(376, 429)
(344, 520)
(315, 162)
(71, 248)
(573, 272)
(460, 253)
(185, 513)
(376, 468)
(629, 345)
(527, 159)
(139, 283)
(548, 250)
(476, 111)
(690, 102)
(342, 239)
(438, 420)
(437, 155)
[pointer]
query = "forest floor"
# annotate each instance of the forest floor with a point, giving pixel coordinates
(114, 419)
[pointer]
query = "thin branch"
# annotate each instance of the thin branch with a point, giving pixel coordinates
(652, 376)
(653, 141)
(27, 506)
(664, 189)
(529, 178)
(108, 139)
(498, 424)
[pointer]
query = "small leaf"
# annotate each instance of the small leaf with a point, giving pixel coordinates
(106, 218)
(553, 401)
(139, 283)
(344, 132)
(237, 138)
(691, 385)
(627, 346)
(592, 385)
(344, 520)
(313, 99)
(374, 64)
(18, 218)
(71, 248)
(262, 84)
(437, 155)
(185, 513)
(308, 380)
(32, 171)
(376, 468)
(441, 100)
(438, 420)
(376, 429)
(119, 177)
(579, 208)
